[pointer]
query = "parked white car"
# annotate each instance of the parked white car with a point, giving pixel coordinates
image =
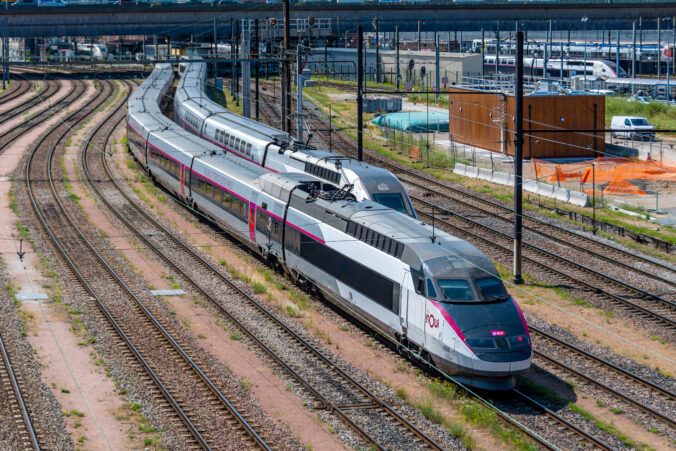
(636, 127)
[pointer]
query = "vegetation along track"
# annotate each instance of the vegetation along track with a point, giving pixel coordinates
(205, 412)
(330, 387)
(634, 299)
(11, 389)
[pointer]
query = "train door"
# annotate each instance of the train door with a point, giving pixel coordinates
(403, 304)
(252, 217)
(183, 181)
(415, 311)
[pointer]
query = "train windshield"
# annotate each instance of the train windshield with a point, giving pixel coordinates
(492, 289)
(391, 200)
(456, 290)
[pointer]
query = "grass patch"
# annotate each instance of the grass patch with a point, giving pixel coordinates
(236, 336)
(259, 288)
(605, 427)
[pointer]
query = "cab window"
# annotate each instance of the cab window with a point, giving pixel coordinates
(431, 291)
(456, 290)
(492, 289)
(626, 122)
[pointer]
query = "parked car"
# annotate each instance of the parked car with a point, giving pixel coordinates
(636, 127)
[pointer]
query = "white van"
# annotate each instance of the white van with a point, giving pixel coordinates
(636, 127)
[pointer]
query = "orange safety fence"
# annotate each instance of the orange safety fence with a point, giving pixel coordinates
(616, 174)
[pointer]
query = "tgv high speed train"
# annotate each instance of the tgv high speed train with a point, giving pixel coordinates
(275, 150)
(533, 66)
(433, 293)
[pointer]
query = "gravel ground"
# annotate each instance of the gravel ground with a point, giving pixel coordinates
(608, 377)
(44, 409)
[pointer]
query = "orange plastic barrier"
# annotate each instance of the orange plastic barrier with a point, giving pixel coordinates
(615, 173)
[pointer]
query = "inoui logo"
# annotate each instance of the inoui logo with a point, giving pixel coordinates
(431, 320)
(498, 333)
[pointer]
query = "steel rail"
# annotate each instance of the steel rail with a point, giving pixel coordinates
(173, 403)
(339, 410)
(17, 89)
(667, 393)
(35, 99)
(565, 423)
(604, 387)
(19, 397)
(655, 315)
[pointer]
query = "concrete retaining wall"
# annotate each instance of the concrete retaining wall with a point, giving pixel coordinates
(530, 185)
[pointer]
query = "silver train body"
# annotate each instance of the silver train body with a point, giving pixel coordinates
(389, 270)
(275, 150)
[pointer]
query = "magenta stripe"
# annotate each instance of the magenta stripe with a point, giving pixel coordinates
(452, 323)
(523, 319)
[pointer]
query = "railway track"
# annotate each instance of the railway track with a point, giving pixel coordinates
(208, 418)
(331, 388)
(17, 89)
(14, 401)
(52, 87)
(74, 93)
(601, 373)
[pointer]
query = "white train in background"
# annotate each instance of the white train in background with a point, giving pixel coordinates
(275, 150)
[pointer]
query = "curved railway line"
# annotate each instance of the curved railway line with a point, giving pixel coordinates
(74, 93)
(17, 89)
(330, 387)
(39, 98)
(209, 418)
(9, 384)
(657, 393)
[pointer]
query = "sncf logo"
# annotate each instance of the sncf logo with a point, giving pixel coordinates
(498, 333)
(431, 321)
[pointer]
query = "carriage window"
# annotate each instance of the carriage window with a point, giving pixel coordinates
(248, 149)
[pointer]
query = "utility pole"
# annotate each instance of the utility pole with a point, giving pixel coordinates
(257, 47)
(518, 159)
(215, 53)
(286, 71)
(633, 53)
(659, 48)
(396, 51)
(436, 65)
(617, 52)
(377, 52)
(245, 54)
(299, 87)
(360, 100)
(419, 36)
(232, 56)
(483, 47)
(497, 48)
